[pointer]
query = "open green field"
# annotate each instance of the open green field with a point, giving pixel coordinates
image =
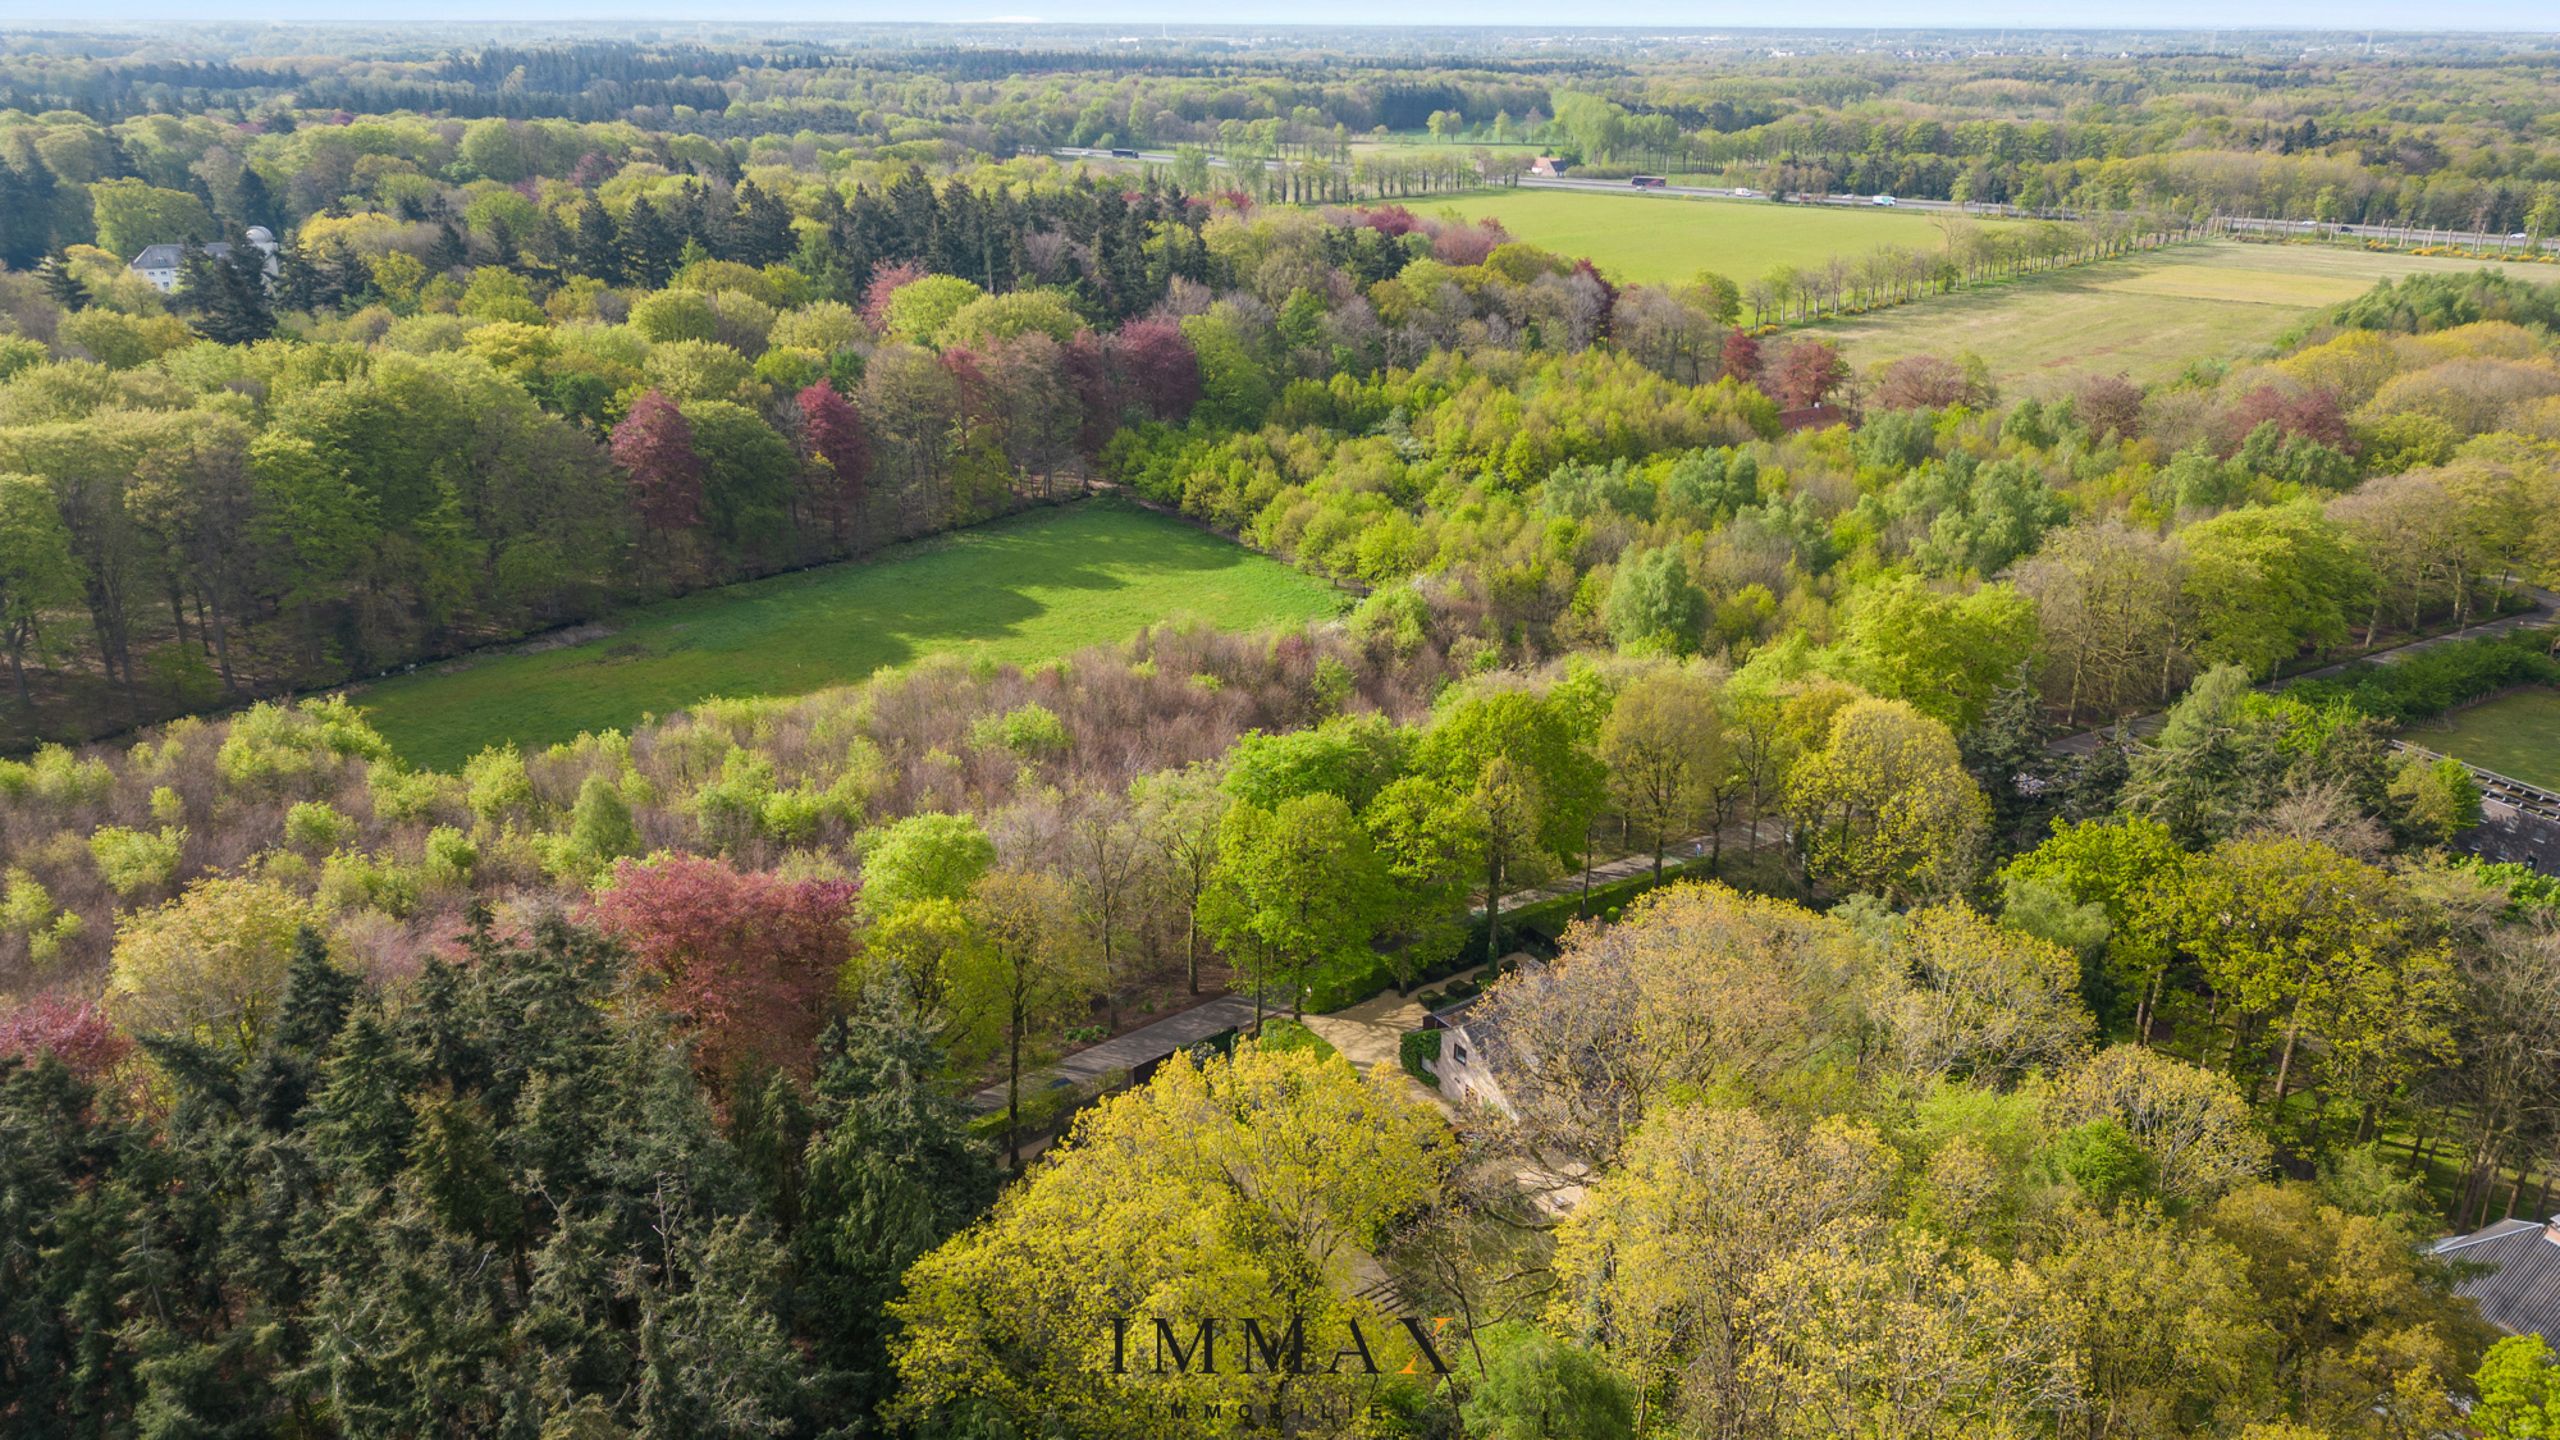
(2148, 316)
(1019, 591)
(1657, 239)
(2516, 735)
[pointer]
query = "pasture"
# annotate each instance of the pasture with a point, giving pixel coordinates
(1019, 591)
(2148, 316)
(2516, 735)
(1668, 239)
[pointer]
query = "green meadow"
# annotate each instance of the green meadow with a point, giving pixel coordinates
(1018, 591)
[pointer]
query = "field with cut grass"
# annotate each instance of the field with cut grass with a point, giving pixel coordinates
(1019, 591)
(2516, 735)
(2149, 316)
(1658, 239)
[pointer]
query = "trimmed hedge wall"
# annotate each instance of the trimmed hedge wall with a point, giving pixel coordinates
(2430, 682)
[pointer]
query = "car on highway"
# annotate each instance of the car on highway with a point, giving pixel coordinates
(1648, 182)
(1881, 200)
(1745, 192)
(1124, 154)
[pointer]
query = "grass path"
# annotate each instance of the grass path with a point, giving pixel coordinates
(1019, 591)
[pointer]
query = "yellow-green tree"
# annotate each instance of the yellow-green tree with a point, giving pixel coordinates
(1245, 1188)
(1660, 1262)
(1885, 806)
(209, 963)
(1664, 746)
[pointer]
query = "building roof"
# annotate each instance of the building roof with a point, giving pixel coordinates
(2522, 1294)
(170, 257)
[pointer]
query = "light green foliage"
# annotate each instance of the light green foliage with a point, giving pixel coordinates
(1885, 805)
(496, 784)
(210, 962)
(923, 857)
(2266, 582)
(274, 748)
(993, 318)
(451, 856)
(136, 860)
(1944, 654)
(316, 826)
(920, 310)
(1352, 757)
(2434, 800)
(1031, 731)
(1654, 607)
(600, 823)
(2519, 1388)
(1533, 1386)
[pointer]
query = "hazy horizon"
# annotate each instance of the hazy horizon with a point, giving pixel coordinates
(2345, 17)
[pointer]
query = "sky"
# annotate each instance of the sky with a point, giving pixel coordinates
(2528, 15)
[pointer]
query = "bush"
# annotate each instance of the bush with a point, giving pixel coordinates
(317, 826)
(1417, 1047)
(131, 860)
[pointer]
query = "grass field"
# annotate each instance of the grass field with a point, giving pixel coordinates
(2148, 316)
(2516, 735)
(1019, 591)
(1664, 238)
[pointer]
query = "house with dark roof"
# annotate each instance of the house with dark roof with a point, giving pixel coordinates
(2521, 1293)
(161, 264)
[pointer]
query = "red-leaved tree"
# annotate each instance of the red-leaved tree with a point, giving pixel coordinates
(1158, 370)
(836, 435)
(75, 1032)
(1806, 374)
(745, 962)
(654, 446)
(1742, 357)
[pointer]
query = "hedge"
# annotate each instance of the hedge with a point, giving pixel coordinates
(2432, 681)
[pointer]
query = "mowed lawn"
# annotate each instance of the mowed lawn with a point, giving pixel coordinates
(2516, 735)
(2148, 316)
(1019, 591)
(1662, 239)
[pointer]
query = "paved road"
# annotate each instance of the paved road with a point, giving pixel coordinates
(2545, 611)
(2396, 234)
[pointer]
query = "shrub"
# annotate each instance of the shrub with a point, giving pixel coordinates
(451, 856)
(316, 826)
(131, 860)
(1030, 731)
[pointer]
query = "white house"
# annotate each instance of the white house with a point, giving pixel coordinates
(160, 264)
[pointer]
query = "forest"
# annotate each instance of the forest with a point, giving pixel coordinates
(2034, 994)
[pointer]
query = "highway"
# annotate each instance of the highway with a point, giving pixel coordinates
(2394, 234)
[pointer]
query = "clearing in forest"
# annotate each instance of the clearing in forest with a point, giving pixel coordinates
(1018, 591)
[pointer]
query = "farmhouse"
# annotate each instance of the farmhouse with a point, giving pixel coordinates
(160, 264)
(1548, 167)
